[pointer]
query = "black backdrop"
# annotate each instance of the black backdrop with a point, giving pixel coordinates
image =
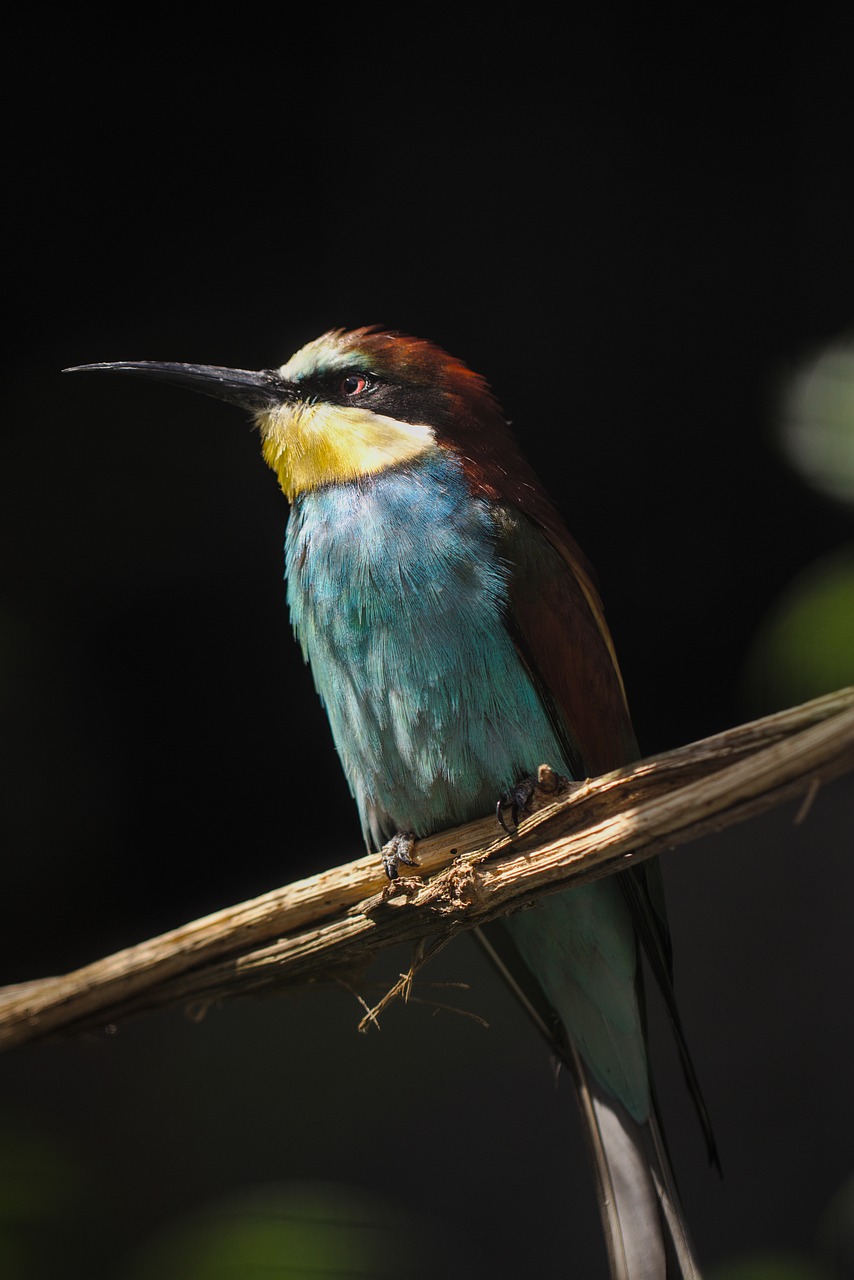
(633, 230)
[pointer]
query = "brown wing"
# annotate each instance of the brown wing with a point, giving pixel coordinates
(560, 631)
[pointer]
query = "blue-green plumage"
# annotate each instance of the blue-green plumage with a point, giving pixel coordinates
(400, 596)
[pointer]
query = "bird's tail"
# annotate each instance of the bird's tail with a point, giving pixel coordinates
(642, 1218)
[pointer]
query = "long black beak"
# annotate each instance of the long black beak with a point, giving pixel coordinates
(243, 387)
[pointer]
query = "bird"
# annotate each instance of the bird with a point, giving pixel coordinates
(457, 640)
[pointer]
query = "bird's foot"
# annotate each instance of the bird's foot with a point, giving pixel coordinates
(528, 795)
(516, 802)
(396, 851)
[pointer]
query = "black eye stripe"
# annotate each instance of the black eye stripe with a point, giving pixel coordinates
(401, 400)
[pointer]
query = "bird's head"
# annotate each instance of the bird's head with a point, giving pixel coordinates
(355, 402)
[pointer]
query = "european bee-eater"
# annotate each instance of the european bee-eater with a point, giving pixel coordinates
(457, 642)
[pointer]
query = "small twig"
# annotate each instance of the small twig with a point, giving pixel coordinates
(372, 1017)
(424, 950)
(354, 993)
(808, 801)
(438, 1007)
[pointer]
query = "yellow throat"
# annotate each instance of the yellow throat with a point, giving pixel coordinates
(308, 445)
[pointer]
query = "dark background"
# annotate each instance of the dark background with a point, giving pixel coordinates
(635, 228)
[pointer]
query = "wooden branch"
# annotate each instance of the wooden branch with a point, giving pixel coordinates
(332, 923)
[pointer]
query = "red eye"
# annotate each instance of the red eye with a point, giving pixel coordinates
(353, 384)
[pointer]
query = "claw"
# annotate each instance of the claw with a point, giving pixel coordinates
(499, 814)
(396, 851)
(517, 801)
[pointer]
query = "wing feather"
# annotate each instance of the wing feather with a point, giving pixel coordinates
(558, 624)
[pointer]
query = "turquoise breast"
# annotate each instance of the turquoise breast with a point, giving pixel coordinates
(398, 597)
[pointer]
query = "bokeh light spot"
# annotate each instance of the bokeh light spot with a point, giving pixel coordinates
(805, 647)
(816, 426)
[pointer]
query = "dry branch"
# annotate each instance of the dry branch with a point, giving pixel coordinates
(333, 922)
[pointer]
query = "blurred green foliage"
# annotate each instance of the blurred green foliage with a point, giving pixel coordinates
(296, 1230)
(805, 647)
(836, 1232)
(50, 1212)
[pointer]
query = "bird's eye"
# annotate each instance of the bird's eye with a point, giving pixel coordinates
(353, 384)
